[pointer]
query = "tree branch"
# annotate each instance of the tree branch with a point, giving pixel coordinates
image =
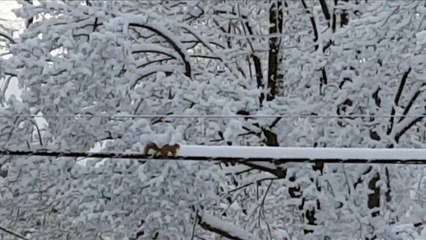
(12, 233)
(412, 100)
(223, 228)
(171, 42)
(154, 51)
(7, 37)
(407, 127)
(274, 59)
(397, 97)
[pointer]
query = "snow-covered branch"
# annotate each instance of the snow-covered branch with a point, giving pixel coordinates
(223, 228)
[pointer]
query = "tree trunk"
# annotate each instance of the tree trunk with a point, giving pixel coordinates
(274, 59)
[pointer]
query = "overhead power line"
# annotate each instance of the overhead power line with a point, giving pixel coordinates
(209, 116)
(136, 156)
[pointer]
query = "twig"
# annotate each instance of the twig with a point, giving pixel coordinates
(13, 234)
(194, 224)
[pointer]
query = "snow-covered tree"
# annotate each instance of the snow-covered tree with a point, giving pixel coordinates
(112, 58)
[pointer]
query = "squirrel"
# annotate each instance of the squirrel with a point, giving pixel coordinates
(164, 151)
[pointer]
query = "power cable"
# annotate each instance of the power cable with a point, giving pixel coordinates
(137, 156)
(209, 116)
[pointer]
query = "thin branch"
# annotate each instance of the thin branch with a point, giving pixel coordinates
(11, 74)
(246, 185)
(38, 132)
(154, 61)
(205, 56)
(13, 234)
(412, 101)
(30, 20)
(274, 122)
(314, 25)
(397, 97)
(171, 42)
(278, 171)
(198, 38)
(147, 75)
(194, 224)
(5, 87)
(256, 61)
(154, 51)
(262, 210)
(7, 37)
(407, 127)
(137, 107)
(223, 228)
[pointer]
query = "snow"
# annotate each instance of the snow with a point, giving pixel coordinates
(421, 38)
(228, 227)
(301, 153)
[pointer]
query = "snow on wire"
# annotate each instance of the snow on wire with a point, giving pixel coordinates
(235, 154)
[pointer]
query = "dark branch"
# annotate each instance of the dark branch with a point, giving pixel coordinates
(206, 56)
(146, 75)
(171, 42)
(154, 61)
(325, 10)
(12, 233)
(314, 25)
(154, 51)
(274, 59)
(412, 101)
(278, 172)
(406, 128)
(397, 97)
(7, 37)
(30, 20)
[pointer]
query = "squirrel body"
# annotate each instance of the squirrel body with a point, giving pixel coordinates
(151, 149)
(164, 151)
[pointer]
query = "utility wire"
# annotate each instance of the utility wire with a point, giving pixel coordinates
(136, 156)
(209, 116)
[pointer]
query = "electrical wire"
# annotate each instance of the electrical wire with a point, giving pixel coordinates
(209, 116)
(144, 157)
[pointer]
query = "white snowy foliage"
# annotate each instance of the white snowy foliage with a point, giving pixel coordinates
(206, 58)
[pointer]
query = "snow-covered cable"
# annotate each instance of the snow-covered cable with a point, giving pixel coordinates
(281, 160)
